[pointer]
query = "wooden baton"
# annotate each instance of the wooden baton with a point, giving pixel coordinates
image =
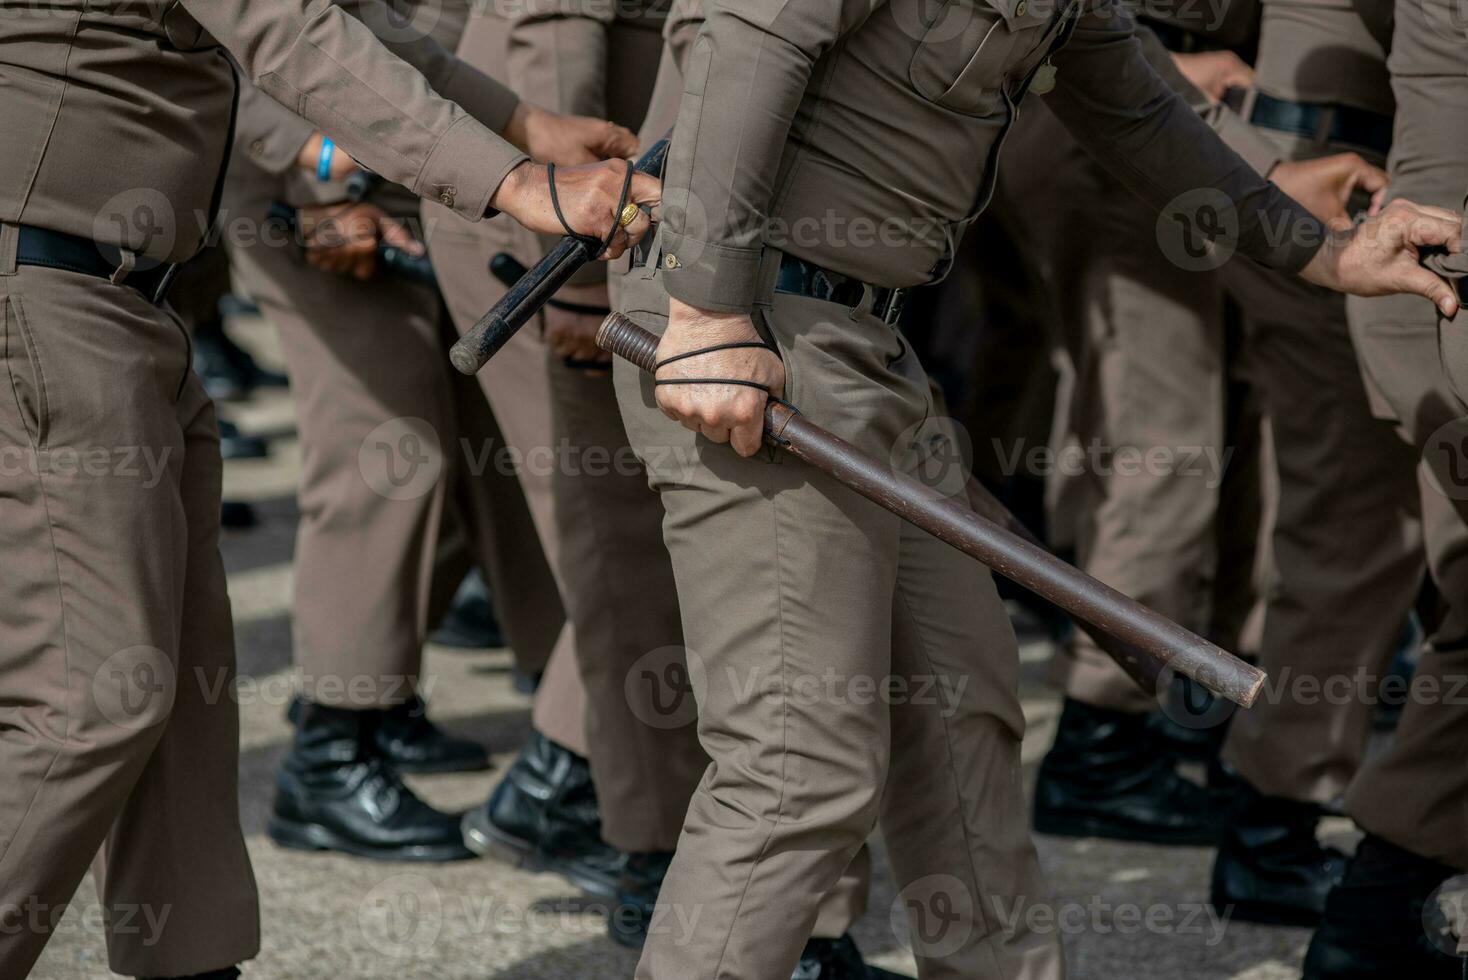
(1143, 642)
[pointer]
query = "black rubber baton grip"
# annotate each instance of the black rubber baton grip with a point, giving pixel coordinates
(527, 296)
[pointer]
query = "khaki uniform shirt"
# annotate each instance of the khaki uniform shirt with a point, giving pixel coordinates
(1327, 51)
(863, 137)
(117, 114)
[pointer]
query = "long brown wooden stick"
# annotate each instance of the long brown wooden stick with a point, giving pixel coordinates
(1143, 642)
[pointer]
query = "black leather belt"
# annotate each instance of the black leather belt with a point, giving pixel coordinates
(801, 278)
(73, 253)
(1346, 124)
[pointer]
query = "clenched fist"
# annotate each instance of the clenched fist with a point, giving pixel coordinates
(721, 412)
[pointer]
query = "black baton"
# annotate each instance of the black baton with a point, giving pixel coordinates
(394, 260)
(535, 288)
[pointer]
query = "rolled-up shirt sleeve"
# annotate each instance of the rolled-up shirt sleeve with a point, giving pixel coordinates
(329, 68)
(745, 76)
(1147, 135)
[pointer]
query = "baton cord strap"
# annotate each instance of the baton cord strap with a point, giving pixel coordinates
(736, 345)
(597, 245)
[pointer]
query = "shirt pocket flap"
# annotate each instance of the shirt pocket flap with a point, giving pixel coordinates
(968, 47)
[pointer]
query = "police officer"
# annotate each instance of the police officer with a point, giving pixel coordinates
(551, 387)
(1148, 343)
(551, 394)
(116, 613)
(1412, 800)
(822, 162)
(1345, 548)
(381, 418)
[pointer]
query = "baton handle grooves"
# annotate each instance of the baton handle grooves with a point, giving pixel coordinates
(1146, 643)
(529, 295)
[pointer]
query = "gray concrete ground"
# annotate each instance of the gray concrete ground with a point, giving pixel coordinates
(1124, 911)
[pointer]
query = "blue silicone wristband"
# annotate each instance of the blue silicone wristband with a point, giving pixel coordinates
(323, 162)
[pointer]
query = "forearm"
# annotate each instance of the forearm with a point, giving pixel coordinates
(1151, 140)
(330, 69)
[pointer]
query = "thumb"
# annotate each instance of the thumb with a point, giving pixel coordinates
(1371, 179)
(1417, 279)
(609, 141)
(394, 233)
(620, 141)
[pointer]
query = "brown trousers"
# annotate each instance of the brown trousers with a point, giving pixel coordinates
(1416, 793)
(384, 423)
(599, 526)
(1347, 559)
(117, 652)
(602, 528)
(1161, 475)
(848, 668)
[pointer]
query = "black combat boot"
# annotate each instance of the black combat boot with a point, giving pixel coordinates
(1270, 867)
(405, 737)
(836, 959)
(1106, 777)
(335, 792)
(413, 744)
(543, 817)
(637, 893)
(229, 973)
(470, 623)
(1374, 927)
